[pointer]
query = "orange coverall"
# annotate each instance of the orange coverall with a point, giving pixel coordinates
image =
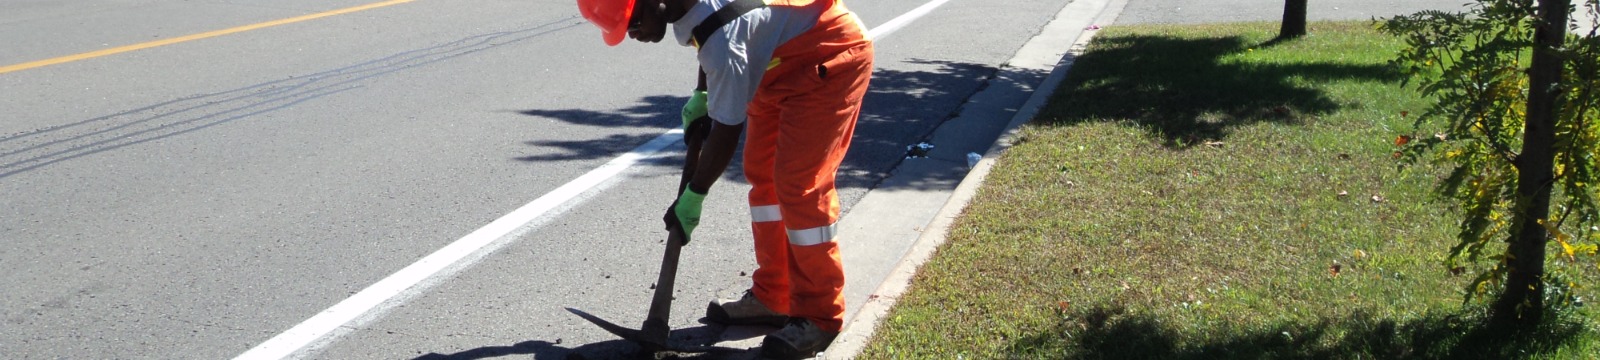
(800, 124)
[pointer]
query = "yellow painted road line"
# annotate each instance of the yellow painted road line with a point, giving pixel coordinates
(210, 34)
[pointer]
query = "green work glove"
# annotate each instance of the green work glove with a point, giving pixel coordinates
(695, 108)
(685, 213)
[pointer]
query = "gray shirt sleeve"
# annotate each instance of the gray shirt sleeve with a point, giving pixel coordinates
(736, 56)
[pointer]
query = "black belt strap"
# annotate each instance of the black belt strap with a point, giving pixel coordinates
(722, 17)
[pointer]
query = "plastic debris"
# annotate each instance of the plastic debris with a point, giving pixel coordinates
(972, 160)
(919, 150)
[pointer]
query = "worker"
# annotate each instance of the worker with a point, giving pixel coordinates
(789, 75)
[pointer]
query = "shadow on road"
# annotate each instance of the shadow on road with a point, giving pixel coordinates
(902, 107)
(612, 349)
(658, 111)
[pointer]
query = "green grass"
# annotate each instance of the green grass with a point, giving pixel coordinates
(1180, 197)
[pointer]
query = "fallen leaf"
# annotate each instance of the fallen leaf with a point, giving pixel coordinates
(1377, 199)
(1214, 143)
(1440, 136)
(1402, 140)
(1343, 156)
(1360, 254)
(1404, 113)
(1334, 269)
(1062, 306)
(1397, 154)
(1343, 194)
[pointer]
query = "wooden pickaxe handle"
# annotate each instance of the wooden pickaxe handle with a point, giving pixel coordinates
(656, 328)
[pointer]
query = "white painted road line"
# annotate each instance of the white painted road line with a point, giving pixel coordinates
(462, 253)
(883, 30)
(392, 291)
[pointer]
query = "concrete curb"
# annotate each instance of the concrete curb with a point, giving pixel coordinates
(863, 325)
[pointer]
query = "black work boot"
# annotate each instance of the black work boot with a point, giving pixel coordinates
(799, 339)
(746, 310)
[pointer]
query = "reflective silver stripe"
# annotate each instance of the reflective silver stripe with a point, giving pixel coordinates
(812, 236)
(765, 213)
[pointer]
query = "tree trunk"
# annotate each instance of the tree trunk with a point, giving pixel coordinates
(1522, 303)
(1294, 19)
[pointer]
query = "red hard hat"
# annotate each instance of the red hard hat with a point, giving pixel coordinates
(610, 15)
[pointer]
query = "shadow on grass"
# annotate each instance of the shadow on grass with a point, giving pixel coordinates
(1184, 91)
(1112, 333)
